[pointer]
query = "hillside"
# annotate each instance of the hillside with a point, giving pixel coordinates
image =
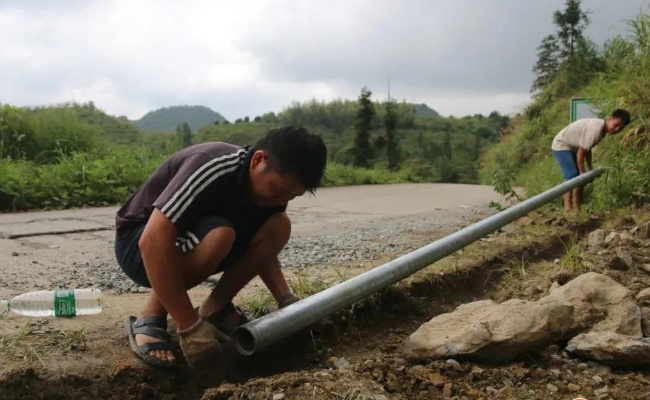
(424, 110)
(616, 76)
(166, 119)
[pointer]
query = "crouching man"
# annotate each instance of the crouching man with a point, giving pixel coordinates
(208, 208)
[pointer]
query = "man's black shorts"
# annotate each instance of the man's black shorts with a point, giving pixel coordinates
(129, 258)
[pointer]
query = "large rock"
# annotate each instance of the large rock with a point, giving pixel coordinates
(599, 304)
(491, 332)
(611, 348)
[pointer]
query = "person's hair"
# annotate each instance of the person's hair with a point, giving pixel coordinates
(623, 115)
(298, 151)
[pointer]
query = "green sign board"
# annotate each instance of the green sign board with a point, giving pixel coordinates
(582, 108)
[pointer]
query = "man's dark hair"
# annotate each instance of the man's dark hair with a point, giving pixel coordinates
(298, 151)
(623, 115)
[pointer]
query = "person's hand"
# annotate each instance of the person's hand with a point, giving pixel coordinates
(200, 344)
(287, 299)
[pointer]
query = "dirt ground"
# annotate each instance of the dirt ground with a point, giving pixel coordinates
(354, 354)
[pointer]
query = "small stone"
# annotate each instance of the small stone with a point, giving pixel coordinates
(613, 238)
(342, 363)
(453, 364)
(599, 367)
(604, 390)
(476, 370)
(491, 391)
(597, 379)
(552, 388)
(446, 391)
(622, 260)
(278, 396)
(15, 254)
(596, 238)
(573, 387)
(643, 297)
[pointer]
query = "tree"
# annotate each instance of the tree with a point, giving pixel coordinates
(547, 63)
(571, 23)
(476, 148)
(580, 68)
(184, 134)
(390, 122)
(365, 112)
(446, 146)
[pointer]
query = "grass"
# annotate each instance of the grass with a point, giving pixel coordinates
(31, 347)
(572, 260)
(304, 286)
(260, 304)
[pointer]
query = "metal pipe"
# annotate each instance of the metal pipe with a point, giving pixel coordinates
(281, 323)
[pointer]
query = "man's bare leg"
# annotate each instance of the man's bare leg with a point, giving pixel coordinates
(261, 258)
(567, 202)
(577, 197)
(198, 265)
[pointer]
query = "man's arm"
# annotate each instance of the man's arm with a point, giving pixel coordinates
(580, 159)
(163, 265)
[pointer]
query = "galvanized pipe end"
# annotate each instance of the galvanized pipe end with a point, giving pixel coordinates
(245, 341)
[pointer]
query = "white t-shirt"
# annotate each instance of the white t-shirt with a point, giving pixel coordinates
(585, 133)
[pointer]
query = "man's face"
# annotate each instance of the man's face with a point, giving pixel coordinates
(267, 187)
(614, 125)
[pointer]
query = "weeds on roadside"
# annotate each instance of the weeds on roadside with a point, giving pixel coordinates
(260, 304)
(73, 340)
(514, 276)
(19, 347)
(33, 347)
(573, 256)
(303, 286)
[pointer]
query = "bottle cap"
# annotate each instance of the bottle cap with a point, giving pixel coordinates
(4, 306)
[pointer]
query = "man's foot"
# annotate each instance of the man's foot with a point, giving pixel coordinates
(149, 339)
(226, 319)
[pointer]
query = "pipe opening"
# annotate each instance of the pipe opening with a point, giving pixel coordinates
(244, 341)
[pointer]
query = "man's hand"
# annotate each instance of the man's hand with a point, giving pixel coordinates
(200, 344)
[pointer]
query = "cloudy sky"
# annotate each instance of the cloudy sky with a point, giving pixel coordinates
(245, 58)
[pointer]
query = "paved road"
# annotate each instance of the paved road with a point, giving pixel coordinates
(40, 249)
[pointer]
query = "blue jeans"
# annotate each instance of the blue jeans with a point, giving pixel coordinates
(568, 163)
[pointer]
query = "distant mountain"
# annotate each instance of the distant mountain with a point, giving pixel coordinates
(423, 110)
(166, 119)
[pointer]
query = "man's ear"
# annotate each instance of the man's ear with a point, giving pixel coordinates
(258, 158)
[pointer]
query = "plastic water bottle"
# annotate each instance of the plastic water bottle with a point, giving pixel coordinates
(59, 303)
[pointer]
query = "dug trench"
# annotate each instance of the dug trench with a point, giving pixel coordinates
(356, 353)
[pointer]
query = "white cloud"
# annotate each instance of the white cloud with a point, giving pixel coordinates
(246, 58)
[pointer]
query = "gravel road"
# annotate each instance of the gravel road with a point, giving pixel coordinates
(337, 227)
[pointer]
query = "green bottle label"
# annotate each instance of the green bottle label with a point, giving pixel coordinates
(64, 304)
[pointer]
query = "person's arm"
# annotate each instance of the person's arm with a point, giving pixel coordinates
(163, 265)
(580, 160)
